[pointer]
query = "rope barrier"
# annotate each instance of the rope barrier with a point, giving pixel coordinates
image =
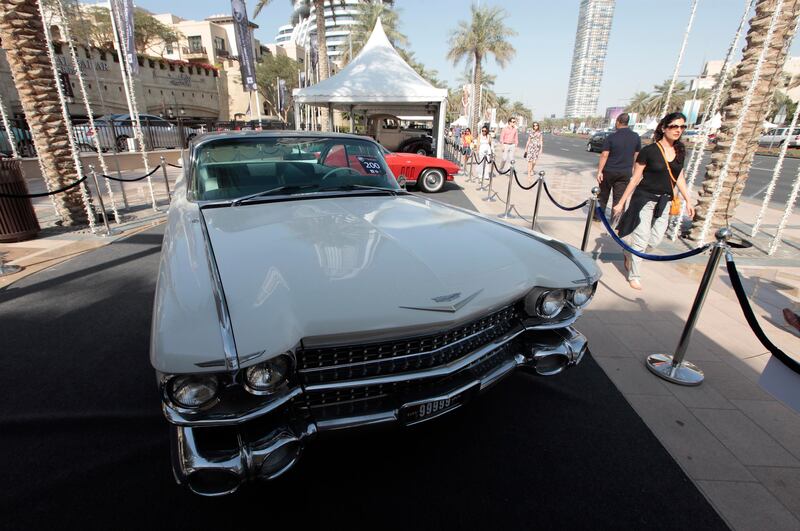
(556, 203)
(498, 169)
(145, 176)
(654, 257)
(736, 282)
(174, 165)
(521, 185)
(45, 194)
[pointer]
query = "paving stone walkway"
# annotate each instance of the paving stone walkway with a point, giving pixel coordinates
(739, 444)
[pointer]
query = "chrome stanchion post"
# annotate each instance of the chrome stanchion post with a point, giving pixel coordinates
(485, 159)
(489, 193)
(539, 185)
(673, 368)
(507, 213)
(471, 164)
(100, 199)
(166, 180)
(589, 217)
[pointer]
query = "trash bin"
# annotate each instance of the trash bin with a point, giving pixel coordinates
(17, 219)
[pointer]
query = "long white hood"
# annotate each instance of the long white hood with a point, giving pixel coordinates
(345, 268)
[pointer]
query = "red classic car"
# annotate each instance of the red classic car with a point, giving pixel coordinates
(429, 173)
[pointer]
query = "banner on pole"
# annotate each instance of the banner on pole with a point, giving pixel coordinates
(282, 94)
(123, 11)
(241, 28)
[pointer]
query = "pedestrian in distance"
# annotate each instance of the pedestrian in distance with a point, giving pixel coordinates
(466, 143)
(617, 158)
(533, 147)
(651, 190)
(485, 146)
(509, 139)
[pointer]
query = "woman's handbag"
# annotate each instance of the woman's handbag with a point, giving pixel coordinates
(675, 207)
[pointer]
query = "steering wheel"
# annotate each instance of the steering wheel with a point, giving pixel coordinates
(331, 172)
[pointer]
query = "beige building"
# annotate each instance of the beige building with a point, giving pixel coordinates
(213, 41)
(163, 87)
(712, 69)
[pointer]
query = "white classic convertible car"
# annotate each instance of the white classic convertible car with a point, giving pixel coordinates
(301, 289)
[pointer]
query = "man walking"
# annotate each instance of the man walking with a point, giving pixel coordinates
(620, 150)
(509, 139)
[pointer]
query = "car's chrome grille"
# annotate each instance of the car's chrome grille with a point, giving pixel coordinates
(368, 399)
(333, 364)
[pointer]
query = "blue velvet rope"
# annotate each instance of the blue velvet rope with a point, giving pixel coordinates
(556, 203)
(656, 258)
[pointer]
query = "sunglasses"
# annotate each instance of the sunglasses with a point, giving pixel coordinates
(675, 126)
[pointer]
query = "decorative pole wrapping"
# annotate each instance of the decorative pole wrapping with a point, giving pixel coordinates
(84, 95)
(7, 126)
(87, 204)
(773, 245)
(776, 171)
(127, 82)
(723, 174)
(680, 58)
(713, 108)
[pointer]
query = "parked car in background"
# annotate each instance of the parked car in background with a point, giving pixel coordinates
(595, 142)
(429, 174)
(777, 136)
(278, 313)
(388, 131)
(114, 130)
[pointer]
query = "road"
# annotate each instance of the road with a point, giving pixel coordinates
(86, 446)
(760, 173)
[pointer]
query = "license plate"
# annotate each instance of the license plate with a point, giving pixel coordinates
(428, 409)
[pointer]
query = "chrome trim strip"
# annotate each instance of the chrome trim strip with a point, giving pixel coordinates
(434, 372)
(223, 314)
(394, 358)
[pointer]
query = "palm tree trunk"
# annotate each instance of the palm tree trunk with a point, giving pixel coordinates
(771, 73)
(22, 35)
(477, 78)
(322, 61)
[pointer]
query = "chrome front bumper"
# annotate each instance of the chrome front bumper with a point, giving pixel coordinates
(214, 461)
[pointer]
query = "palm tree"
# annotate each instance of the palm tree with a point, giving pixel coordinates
(503, 107)
(659, 97)
(639, 103)
(519, 109)
(368, 15)
(475, 40)
(771, 76)
(22, 35)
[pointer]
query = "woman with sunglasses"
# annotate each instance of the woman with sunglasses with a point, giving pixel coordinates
(658, 170)
(533, 148)
(485, 147)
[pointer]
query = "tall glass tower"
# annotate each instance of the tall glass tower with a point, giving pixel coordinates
(589, 57)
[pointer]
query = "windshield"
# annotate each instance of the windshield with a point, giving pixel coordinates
(231, 168)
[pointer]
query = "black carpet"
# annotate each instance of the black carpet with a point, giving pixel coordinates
(84, 444)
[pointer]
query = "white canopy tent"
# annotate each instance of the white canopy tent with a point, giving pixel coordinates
(378, 80)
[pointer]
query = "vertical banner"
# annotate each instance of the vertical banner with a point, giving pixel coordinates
(282, 94)
(244, 44)
(123, 11)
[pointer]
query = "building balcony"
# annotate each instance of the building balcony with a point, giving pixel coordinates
(222, 53)
(195, 52)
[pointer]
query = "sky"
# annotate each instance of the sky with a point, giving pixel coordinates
(643, 46)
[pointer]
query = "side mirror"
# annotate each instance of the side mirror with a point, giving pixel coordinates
(402, 181)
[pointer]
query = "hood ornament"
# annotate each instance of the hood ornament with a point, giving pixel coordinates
(451, 308)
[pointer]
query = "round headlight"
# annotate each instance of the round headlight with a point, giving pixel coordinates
(551, 303)
(266, 378)
(581, 296)
(193, 390)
